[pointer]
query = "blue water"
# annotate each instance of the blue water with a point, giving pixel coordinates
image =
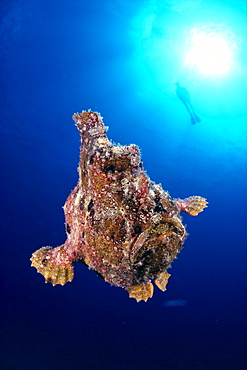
(122, 58)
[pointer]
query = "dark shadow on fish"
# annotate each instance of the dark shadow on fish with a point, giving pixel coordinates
(184, 96)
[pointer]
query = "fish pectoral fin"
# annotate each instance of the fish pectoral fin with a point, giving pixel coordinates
(47, 263)
(194, 205)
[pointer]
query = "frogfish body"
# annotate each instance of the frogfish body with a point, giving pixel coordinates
(118, 222)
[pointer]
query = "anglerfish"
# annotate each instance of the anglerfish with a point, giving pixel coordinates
(118, 222)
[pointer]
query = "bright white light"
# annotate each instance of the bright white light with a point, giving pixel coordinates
(210, 53)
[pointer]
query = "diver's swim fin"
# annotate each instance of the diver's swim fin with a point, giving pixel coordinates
(193, 120)
(197, 118)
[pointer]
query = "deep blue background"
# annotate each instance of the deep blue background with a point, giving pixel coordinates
(121, 58)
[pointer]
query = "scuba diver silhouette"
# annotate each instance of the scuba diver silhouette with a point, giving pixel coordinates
(184, 96)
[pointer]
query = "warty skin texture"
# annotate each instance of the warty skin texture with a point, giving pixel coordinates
(118, 222)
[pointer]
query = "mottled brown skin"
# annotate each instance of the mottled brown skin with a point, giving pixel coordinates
(119, 223)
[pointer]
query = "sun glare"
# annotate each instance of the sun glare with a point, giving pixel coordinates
(210, 52)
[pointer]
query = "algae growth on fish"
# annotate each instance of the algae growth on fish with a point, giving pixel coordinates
(119, 223)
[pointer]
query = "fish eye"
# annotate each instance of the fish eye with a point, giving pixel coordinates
(138, 229)
(158, 208)
(110, 168)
